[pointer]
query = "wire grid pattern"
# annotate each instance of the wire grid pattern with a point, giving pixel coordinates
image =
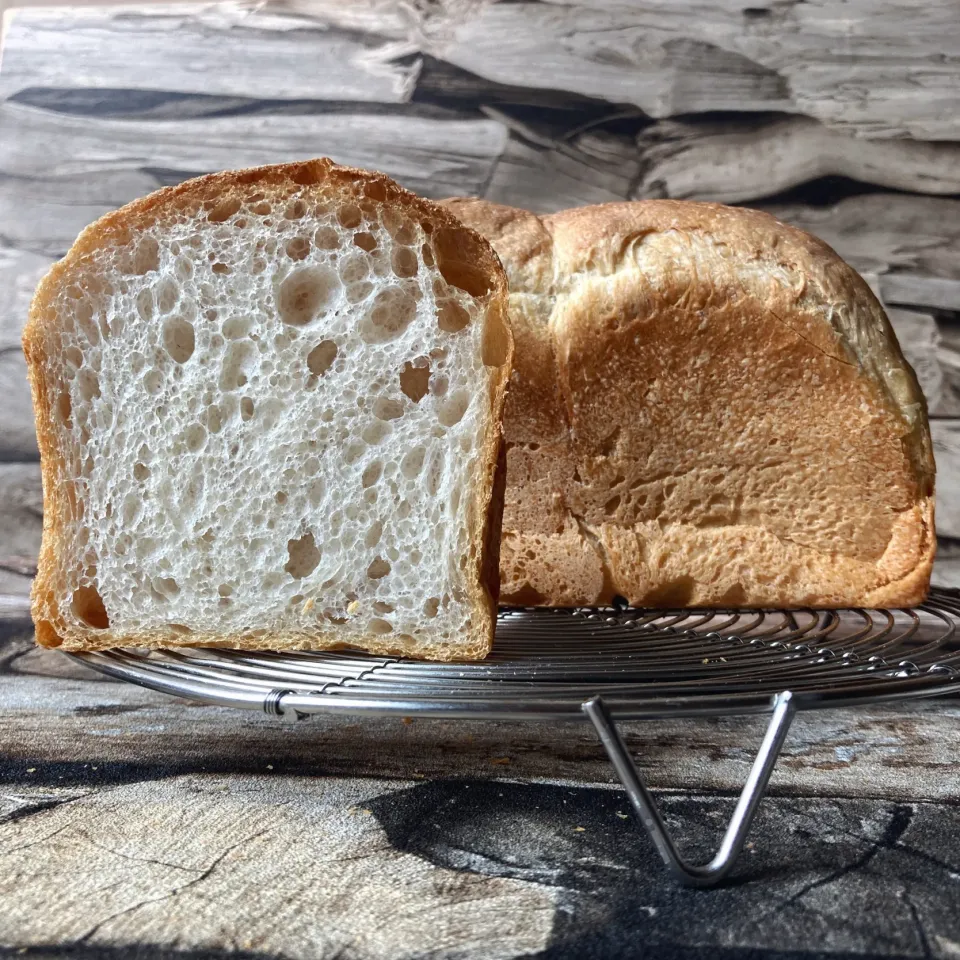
(547, 662)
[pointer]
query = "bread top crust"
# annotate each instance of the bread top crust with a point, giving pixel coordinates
(595, 291)
(469, 263)
(546, 256)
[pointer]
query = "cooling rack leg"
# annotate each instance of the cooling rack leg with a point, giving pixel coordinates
(713, 872)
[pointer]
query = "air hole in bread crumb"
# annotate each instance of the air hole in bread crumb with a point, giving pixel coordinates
(145, 304)
(88, 606)
(220, 268)
(350, 215)
(196, 437)
(298, 248)
(379, 626)
(611, 505)
(180, 628)
(375, 190)
(236, 328)
(305, 294)
(73, 357)
(321, 357)
(427, 254)
(384, 408)
(376, 432)
(64, 407)
(404, 262)
(365, 241)
(167, 587)
(214, 418)
(167, 294)
(392, 312)
(456, 258)
(224, 210)
(303, 556)
(46, 634)
(261, 208)
(295, 210)
(372, 473)
(308, 174)
(184, 268)
(179, 339)
(378, 569)
(140, 472)
(451, 411)
(146, 257)
(401, 229)
(412, 462)
(451, 317)
(373, 535)
(281, 497)
(246, 408)
(326, 238)
(431, 606)
(415, 379)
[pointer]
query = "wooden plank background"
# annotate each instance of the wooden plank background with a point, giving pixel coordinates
(841, 118)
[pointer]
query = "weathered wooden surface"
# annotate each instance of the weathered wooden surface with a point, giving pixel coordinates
(730, 162)
(880, 71)
(159, 822)
(136, 825)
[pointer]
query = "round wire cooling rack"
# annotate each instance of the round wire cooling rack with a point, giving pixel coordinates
(547, 662)
(604, 665)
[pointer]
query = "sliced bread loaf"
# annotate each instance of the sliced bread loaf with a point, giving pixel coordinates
(707, 407)
(268, 405)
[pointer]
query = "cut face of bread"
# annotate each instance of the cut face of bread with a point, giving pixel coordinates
(707, 407)
(268, 405)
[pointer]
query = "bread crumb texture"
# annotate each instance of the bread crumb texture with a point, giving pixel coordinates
(269, 414)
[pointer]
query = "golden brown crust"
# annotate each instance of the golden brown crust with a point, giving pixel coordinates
(324, 178)
(707, 407)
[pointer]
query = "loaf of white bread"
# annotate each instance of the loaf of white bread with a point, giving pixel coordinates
(707, 407)
(268, 405)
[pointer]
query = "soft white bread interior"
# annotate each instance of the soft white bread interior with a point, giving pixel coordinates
(707, 407)
(269, 412)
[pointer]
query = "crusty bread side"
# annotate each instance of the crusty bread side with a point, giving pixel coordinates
(318, 359)
(708, 407)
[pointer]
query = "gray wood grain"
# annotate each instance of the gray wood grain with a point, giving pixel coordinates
(58, 173)
(909, 244)
(21, 515)
(946, 449)
(830, 60)
(929, 344)
(19, 274)
(733, 162)
(193, 48)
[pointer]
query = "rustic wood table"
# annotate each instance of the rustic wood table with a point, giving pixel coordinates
(137, 825)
